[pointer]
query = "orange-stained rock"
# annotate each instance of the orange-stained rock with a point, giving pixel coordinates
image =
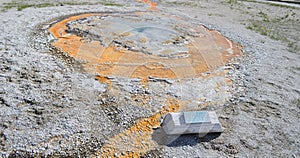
(207, 50)
(137, 140)
(119, 45)
(152, 6)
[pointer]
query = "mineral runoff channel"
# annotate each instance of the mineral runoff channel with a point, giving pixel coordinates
(143, 46)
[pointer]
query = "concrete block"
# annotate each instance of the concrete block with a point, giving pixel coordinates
(201, 122)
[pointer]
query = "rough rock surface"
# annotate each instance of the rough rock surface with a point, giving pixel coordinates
(50, 107)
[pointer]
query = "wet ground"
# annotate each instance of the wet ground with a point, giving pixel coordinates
(158, 51)
(95, 78)
(142, 45)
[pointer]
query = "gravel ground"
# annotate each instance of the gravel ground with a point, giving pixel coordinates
(50, 107)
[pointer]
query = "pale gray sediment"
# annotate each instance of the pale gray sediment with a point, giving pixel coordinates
(49, 107)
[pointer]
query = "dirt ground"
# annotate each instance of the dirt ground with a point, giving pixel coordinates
(53, 104)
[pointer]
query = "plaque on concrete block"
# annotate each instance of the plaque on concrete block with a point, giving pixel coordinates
(201, 122)
(196, 117)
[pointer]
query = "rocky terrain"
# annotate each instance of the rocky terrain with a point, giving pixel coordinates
(52, 104)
